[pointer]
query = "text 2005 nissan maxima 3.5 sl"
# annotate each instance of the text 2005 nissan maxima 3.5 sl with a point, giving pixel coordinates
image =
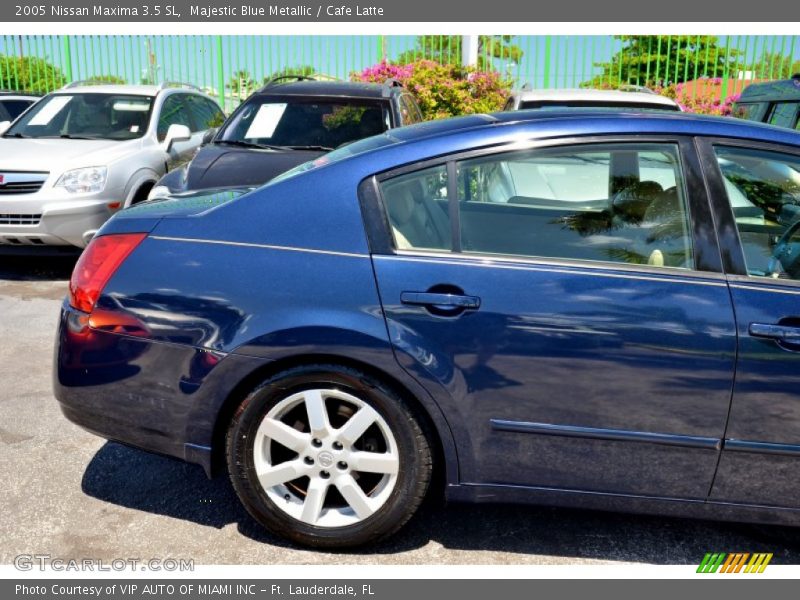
(593, 310)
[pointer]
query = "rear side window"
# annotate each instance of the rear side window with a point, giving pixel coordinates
(614, 203)
(752, 111)
(409, 112)
(763, 189)
(417, 206)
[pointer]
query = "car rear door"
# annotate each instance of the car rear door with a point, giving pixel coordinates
(756, 194)
(565, 306)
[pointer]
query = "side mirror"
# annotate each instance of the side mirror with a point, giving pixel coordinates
(176, 133)
(4, 125)
(208, 136)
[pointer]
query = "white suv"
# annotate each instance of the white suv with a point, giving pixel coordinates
(627, 97)
(86, 151)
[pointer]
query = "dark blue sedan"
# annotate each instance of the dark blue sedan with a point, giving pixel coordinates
(594, 310)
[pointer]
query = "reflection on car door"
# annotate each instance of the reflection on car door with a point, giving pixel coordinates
(761, 453)
(582, 340)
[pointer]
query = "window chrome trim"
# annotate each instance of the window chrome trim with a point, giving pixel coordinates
(569, 267)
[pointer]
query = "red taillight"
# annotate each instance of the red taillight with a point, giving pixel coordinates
(97, 264)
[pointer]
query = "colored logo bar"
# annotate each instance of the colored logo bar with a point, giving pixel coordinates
(736, 562)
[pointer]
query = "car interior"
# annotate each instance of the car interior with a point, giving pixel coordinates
(619, 205)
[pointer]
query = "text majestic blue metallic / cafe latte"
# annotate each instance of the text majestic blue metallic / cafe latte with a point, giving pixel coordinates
(585, 309)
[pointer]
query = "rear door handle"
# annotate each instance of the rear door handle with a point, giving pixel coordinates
(782, 333)
(434, 299)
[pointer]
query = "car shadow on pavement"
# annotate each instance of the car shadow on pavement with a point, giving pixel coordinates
(155, 484)
(38, 268)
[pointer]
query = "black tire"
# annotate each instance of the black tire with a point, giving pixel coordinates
(414, 453)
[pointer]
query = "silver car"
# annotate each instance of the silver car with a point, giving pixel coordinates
(632, 97)
(86, 151)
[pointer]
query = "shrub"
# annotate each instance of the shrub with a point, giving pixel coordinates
(29, 74)
(444, 90)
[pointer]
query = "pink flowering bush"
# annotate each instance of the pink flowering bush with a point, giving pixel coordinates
(444, 90)
(705, 102)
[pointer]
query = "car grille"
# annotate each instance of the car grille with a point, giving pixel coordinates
(21, 183)
(20, 219)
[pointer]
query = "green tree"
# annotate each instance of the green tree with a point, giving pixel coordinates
(302, 70)
(658, 60)
(446, 49)
(774, 65)
(241, 84)
(113, 79)
(29, 74)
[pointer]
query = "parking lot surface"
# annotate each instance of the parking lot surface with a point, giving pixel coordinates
(70, 494)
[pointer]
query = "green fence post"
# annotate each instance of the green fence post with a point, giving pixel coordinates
(67, 53)
(220, 73)
(547, 42)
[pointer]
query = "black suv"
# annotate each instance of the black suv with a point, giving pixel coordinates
(288, 122)
(773, 102)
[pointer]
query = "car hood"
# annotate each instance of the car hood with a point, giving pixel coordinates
(217, 165)
(59, 154)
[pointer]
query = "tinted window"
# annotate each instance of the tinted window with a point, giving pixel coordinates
(14, 108)
(764, 191)
(409, 112)
(752, 111)
(620, 203)
(784, 114)
(327, 123)
(206, 114)
(417, 208)
(173, 111)
(105, 116)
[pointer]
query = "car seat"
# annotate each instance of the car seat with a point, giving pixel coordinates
(417, 222)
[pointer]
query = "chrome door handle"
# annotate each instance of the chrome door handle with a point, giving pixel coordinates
(434, 299)
(782, 333)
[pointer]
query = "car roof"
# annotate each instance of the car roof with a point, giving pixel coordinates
(125, 90)
(352, 89)
(788, 89)
(4, 95)
(590, 95)
(603, 121)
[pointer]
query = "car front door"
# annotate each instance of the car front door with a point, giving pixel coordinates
(565, 306)
(757, 194)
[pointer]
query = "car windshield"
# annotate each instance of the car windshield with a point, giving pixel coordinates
(86, 116)
(300, 123)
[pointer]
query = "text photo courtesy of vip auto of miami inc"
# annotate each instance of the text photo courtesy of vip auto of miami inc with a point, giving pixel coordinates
(398, 299)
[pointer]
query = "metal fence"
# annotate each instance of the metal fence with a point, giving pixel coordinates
(229, 66)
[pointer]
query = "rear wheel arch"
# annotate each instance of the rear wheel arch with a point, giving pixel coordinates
(434, 425)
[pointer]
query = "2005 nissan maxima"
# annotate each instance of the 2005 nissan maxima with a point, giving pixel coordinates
(595, 310)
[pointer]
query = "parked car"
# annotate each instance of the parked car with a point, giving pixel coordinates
(773, 102)
(86, 151)
(287, 122)
(13, 104)
(582, 309)
(634, 98)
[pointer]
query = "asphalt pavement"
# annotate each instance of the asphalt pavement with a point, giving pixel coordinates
(70, 494)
